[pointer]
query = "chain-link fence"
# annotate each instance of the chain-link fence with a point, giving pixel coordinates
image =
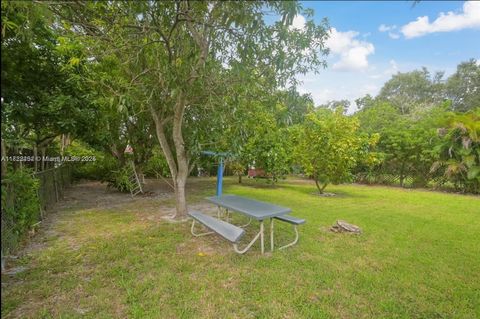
(51, 186)
(9, 237)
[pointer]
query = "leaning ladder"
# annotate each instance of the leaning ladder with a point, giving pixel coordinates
(135, 181)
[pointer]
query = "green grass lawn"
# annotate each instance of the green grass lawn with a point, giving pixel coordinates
(418, 257)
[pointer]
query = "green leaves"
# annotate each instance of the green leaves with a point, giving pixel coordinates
(462, 86)
(460, 151)
(413, 90)
(20, 206)
(74, 61)
(473, 172)
(43, 82)
(328, 145)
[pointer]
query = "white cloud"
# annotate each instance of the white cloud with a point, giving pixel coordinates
(375, 76)
(353, 53)
(393, 69)
(323, 95)
(450, 21)
(354, 59)
(298, 22)
(385, 28)
(393, 35)
(389, 71)
(390, 29)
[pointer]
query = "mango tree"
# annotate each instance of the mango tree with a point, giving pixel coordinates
(182, 58)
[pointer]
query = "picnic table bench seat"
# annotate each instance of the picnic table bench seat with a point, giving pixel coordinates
(291, 219)
(295, 221)
(228, 231)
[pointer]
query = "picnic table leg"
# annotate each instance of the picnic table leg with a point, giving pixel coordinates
(259, 234)
(271, 234)
(249, 221)
(293, 242)
(198, 235)
(261, 237)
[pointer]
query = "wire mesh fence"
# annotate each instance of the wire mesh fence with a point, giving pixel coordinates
(14, 225)
(52, 185)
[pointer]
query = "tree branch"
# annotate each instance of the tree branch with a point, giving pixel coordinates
(160, 130)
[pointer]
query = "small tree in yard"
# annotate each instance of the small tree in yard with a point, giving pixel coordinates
(327, 146)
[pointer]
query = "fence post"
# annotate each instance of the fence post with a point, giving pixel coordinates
(55, 184)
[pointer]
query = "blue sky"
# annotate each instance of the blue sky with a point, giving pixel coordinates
(371, 40)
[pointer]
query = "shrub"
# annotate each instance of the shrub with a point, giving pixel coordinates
(100, 169)
(328, 147)
(20, 207)
(120, 180)
(156, 165)
(459, 151)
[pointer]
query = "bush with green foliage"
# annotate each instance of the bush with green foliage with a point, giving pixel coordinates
(156, 165)
(328, 146)
(120, 180)
(407, 142)
(459, 151)
(268, 147)
(20, 206)
(99, 169)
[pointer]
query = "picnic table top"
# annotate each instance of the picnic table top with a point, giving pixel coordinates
(250, 207)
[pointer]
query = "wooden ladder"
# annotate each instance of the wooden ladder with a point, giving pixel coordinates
(137, 186)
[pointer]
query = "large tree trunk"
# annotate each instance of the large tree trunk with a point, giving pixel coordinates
(182, 160)
(178, 164)
(180, 195)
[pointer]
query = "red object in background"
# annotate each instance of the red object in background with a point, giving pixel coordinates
(256, 172)
(128, 150)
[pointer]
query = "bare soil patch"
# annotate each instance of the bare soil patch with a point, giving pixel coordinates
(156, 205)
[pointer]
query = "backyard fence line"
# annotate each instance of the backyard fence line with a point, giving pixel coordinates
(52, 184)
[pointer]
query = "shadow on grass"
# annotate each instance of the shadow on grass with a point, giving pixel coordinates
(260, 186)
(311, 190)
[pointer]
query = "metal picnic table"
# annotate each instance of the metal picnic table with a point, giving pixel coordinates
(254, 209)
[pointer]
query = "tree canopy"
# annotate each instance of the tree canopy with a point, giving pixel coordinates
(185, 62)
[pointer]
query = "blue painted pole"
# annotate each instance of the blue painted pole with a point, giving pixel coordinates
(220, 177)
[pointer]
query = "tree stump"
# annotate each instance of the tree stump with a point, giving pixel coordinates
(342, 226)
